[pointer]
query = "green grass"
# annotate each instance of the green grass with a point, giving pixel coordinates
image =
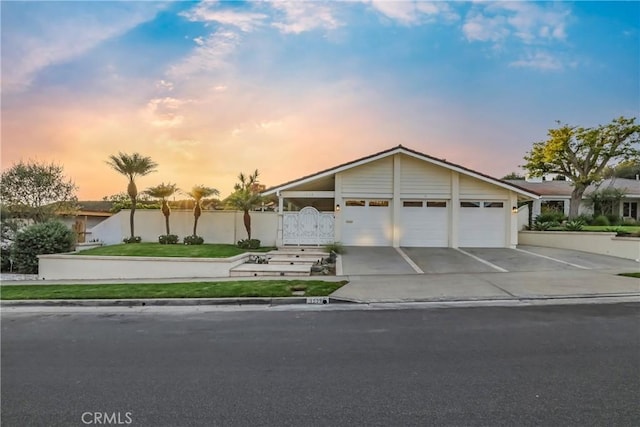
(275, 288)
(158, 250)
(630, 274)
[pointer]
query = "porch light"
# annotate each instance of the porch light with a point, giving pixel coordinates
(337, 208)
(514, 210)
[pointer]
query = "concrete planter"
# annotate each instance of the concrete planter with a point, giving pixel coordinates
(81, 267)
(594, 242)
(87, 245)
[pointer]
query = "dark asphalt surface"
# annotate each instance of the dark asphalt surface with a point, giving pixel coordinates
(494, 366)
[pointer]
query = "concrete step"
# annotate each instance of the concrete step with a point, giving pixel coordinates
(286, 260)
(281, 253)
(249, 270)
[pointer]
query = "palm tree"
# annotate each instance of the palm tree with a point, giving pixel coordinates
(132, 166)
(199, 192)
(246, 197)
(161, 192)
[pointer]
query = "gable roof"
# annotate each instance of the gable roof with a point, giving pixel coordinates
(631, 187)
(409, 152)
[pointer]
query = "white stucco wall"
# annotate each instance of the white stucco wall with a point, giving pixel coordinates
(595, 242)
(213, 226)
(83, 267)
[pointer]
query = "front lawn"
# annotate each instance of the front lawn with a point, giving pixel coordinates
(158, 250)
(254, 288)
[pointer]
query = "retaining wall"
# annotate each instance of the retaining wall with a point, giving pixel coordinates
(594, 242)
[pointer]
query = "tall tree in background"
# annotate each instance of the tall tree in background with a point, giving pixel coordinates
(246, 197)
(162, 192)
(132, 166)
(199, 192)
(629, 169)
(582, 154)
(36, 191)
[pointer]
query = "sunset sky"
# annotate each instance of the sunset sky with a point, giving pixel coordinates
(212, 89)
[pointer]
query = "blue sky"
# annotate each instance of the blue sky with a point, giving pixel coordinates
(212, 89)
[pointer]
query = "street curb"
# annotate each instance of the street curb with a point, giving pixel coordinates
(174, 302)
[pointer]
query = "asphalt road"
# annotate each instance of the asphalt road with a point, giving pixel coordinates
(554, 365)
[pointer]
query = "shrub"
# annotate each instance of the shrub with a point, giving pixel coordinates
(600, 220)
(574, 225)
(168, 239)
(249, 244)
(50, 237)
(586, 219)
(555, 218)
(193, 240)
(541, 226)
(135, 239)
(335, 247)
(629, 221)
(614, 219)
(5, 264)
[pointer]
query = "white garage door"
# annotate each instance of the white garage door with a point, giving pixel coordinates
(424, 223)
(366, 223)
(482, 224)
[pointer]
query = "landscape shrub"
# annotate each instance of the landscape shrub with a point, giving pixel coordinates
(193, 240)
(335, 247)
(168, 239)
(555, 218)
(574, 225)
(5, 264)
(614, 219)
(586, 219)
(541, 226)
(49, 237)
(249, 244)
(134, 239)
(601, 220)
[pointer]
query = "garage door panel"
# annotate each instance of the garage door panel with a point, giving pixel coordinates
(368, 225)
(482, 224)
(424, 226)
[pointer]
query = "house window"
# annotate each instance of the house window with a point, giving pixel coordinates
(411, 204)
(379, 203)
(436, 204)
(493, 204)
(630, 210)
(355, 203)
(552, 206)
(469, 204)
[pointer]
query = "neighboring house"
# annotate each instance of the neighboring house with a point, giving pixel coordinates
(556, 195)
(399, 197)
(88, 215)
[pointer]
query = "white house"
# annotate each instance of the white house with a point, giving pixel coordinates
(399, 197)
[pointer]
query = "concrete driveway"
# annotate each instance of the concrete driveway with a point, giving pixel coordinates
(362, 261)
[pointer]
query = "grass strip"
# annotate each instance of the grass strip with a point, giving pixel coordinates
(158, 250)
(276, 288)
(630, 274)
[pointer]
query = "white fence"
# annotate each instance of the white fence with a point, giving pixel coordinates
(213, 226)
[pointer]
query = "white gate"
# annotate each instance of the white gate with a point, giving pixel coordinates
(308, 227)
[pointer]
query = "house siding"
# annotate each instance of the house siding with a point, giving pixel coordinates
(419, 179)
(472, 188)
(375, 178)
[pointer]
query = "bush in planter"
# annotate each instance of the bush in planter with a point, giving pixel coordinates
(541, 226)
(135, 239)
(193, 240)
(614, 219)
(50, 237)
(249, 244)
(600, 220)
(555, 218)
(574, 225)
(168, 239)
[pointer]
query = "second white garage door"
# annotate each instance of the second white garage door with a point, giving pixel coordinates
(482, 224)
(424, 223)
(367, 223)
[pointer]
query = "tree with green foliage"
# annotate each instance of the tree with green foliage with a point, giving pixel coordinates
(513, 176)
(36, 191)
(629, 169)
(50, 237)
(122, 201)
(582, 154)
(161, 192)
(198, 193)
(132, 166)
(246, 197)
